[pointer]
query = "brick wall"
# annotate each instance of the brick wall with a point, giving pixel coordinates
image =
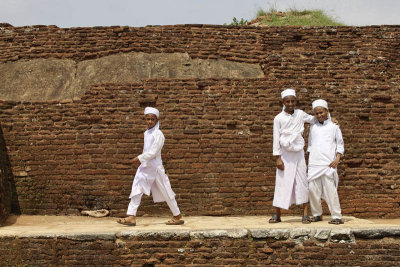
(156, 251)
(77, 155)
(67, 156)
(200, 41)
(5, 179)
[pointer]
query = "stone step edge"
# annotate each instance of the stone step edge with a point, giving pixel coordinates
(298, 234)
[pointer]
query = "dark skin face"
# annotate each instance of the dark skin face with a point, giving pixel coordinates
(290, 103)
(151, 120)
(321, 114)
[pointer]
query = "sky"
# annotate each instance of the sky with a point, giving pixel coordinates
(138, 13)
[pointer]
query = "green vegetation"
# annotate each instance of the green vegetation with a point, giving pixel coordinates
(297, 18)
(262, 12)
(292, 17)
(236, 22)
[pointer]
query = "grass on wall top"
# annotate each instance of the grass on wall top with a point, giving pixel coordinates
(292, 17)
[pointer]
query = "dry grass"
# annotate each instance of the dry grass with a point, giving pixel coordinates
(295, 18)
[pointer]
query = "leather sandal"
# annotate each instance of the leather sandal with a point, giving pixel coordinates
(275, 219)
(175, 221)
(336, 221)
(124, 222)
(316, 218)
(305, 219)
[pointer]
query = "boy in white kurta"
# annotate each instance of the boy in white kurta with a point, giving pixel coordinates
(291, 186)
(150, 176)
(325, 145)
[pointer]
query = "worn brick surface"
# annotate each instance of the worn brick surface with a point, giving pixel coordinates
(77, 155)
(67, 156)
(204, 252)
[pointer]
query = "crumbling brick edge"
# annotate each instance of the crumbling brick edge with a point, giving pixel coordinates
(341, 235)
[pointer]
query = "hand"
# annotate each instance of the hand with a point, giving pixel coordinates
(136, 161)
(279, 164)
(335, 121)
(334, 163)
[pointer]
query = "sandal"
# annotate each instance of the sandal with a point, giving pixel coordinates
(305, 219)
(124, 222)
(175, 221)
(275, 219)
(316, 218)
(336, 221)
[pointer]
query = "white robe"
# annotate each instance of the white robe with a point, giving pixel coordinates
(151, 168)
(324, 142)
(291, 185)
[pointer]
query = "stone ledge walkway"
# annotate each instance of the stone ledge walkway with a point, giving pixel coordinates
(88, 228)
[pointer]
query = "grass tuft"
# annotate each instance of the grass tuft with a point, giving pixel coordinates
(261, 12)
(296, 18)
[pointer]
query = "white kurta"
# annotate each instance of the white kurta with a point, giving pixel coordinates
(151, 168)
(291, 186)
(324, 142)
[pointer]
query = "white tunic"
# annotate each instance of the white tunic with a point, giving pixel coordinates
(151, 168)
(324, 142)
(291, 185)
(288, 131)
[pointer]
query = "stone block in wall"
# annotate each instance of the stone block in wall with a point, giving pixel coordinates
(64, 79)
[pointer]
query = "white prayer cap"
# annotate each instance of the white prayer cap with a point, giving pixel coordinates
(150, 110)
(288, 92)
(319, 103)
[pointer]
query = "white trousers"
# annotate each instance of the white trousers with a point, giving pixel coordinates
(171, 202)
(324, 186)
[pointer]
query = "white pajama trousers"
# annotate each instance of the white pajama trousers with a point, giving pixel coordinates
(171, 202)
(324, 186)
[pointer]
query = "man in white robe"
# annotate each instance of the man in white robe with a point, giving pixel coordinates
(150, 175)
(291, 186)
(325, 145)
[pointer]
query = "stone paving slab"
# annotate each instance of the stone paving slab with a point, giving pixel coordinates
(197, 227)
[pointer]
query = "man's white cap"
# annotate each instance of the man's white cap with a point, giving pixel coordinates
(150, 110)
(288, 92)
(319, 103)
